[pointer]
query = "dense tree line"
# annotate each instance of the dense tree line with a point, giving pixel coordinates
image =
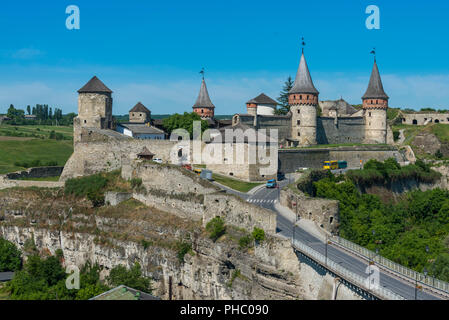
(44, 278)
(44, 116)
(413, 231)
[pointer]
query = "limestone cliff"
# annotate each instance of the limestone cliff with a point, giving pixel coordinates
(134, 232)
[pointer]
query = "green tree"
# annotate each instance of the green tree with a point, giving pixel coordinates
(216, 227)
(185, 121)
(133, 278)
(10, 256)
(284, 107)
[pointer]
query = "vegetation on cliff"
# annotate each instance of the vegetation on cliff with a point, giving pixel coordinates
(10, 256)
(389, 171)
(44, 278)
(413, 232)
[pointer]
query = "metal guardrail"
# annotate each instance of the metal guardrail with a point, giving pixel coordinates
(349, 276)
(407, 272)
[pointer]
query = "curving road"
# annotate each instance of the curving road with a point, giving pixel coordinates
(268, 198)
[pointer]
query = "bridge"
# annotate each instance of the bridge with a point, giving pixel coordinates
(369, 274)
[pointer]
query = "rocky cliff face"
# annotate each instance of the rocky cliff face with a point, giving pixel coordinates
(133, 232)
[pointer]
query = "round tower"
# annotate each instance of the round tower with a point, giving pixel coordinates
(94, 107)
(203, 105)
(303, 100)
(375, 105)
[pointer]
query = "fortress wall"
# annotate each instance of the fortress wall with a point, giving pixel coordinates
(235, 211)
(344, 130)
(421, 118)
(291, 160)
(106, 150)
(172, 179)
(38, 172)
(282, 124)
(323, 212)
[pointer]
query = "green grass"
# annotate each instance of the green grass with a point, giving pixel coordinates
(410, 131)
(46, 150)
(235, 184)
(42, 179)
(36, 130)
(441, 131)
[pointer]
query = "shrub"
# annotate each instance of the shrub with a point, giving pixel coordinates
(396, 134)
(96, 197)
(183, 249)
(245, 241)
(145, 244)
(82, 186)
(131, 278)
(136, 182)
(216, 228)
(258, 234)
(10, 256)
(439, 154)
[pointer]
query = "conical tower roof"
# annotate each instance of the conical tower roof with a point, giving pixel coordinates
(303, 81)
(203, 100)
(375, 88)
(94, 86)
(139, 107)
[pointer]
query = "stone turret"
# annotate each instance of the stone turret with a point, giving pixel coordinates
(203, 105)
(94, 107)
(262, 104)
(375, 105)
(139, 114)
(303, 100)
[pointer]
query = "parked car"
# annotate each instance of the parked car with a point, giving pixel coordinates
(197, 171)
(187, 166)
(271, 183)
(206, 174)
(157, 160)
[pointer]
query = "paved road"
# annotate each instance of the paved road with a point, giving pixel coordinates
(267, 198)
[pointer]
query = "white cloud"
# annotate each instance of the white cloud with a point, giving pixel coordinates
(26, 53)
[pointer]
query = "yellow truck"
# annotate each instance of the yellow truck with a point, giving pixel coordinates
(330, 165)
(334, 164)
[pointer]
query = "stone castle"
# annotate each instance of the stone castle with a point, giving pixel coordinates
(339, 122)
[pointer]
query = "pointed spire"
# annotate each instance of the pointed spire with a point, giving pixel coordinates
(203, 100)
(303, 81)
(375, 88)
(94, 86)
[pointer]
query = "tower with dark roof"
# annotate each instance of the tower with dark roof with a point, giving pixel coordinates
(262, 104)
(303, 100)
(139, 114)
(203, 105)
(375, 105)
(94, 107)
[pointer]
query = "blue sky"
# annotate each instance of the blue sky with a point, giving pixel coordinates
(152, 51)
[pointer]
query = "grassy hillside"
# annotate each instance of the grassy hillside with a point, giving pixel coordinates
(19, 144)
(441, 131)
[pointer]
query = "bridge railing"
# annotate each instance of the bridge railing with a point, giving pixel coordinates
(349, 276)
(396, 267)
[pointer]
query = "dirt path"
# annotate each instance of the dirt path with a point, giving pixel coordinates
(5, 138)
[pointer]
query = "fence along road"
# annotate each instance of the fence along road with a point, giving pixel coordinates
(435, 285)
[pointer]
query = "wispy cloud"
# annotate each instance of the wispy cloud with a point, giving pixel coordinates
(26, 53)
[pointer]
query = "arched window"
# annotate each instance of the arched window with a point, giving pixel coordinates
(298, 122)
(300, 96)
(415, 121)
